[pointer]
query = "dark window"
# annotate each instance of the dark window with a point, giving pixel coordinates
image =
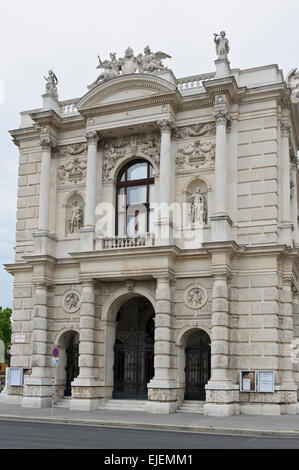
(134, 199)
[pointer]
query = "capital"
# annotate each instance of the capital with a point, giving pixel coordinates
(166, 125)
(285, 128)
(92, 137)
(222, 116)
(47, 144)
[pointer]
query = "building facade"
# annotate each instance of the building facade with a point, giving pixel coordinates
(157, 240)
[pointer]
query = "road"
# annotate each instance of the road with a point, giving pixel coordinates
(35, 435)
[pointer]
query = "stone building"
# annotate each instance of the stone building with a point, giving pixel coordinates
(168, 307)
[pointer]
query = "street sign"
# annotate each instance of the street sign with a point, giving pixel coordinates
(55, 361)
(55, 352)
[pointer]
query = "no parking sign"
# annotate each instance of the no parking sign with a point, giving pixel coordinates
(56, 352)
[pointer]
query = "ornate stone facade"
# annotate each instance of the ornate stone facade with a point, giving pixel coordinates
(213, 280)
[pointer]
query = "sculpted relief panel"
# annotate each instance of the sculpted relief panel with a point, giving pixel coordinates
(72, 164)
(147, 145)
(195, 153)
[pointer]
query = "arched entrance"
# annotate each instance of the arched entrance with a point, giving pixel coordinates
(198, 365)
(72, 363)
(134, 349)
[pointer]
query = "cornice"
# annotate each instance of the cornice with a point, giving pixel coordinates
(227, 86)
(46, 118)
(24, 134)
(133, 104)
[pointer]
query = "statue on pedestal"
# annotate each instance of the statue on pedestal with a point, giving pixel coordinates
(198, 210)
(51, 85)
(77, 219)
(222, 45)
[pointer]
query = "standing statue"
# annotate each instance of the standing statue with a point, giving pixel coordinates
(293, 84)
(51, 85)
(77, 220)
(198, 210)
(151, 62)
(222, 45)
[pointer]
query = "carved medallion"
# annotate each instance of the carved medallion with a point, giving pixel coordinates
(196, 297)
(71, 302)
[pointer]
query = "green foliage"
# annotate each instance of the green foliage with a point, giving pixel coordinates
(5, 327)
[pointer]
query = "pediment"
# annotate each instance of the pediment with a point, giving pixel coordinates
(125, 89)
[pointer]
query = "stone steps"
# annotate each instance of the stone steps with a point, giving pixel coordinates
(195, 407)
(63, 403)
(124, 405)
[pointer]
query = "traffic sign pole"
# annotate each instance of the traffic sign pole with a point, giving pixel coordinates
(55, 362)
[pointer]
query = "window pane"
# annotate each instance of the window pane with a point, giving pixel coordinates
(152, 172)
(137, 172)
(121, 225)
(151, 221)
(130, 225)
(136, 195)
(152, 193)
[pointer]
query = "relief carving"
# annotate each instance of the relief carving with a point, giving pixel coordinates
(72, 171)
(200, 153)
(197, 130)
(196, 297)
(138, 145)
(71, 302)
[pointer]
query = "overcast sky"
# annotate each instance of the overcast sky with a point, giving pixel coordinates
(67, 36)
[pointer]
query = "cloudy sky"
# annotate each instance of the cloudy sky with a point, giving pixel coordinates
(67, 36)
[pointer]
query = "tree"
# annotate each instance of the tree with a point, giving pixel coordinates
(5, 327)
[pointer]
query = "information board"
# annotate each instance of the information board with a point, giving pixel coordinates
(266, 381)
(248, 381)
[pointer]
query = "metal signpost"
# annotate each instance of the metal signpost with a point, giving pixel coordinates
(55, 362)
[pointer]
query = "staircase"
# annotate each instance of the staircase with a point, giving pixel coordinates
(191, 407)
(124, 405)
(63, 403)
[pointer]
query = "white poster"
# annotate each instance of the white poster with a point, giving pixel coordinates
(266, 382)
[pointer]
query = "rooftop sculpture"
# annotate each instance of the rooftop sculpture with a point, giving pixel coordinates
(222, 45)
(51, 85)
(148, 62)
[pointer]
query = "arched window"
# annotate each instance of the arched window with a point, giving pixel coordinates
(135, 198)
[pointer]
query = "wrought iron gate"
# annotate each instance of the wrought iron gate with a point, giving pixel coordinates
(198, 370)
(133, 366)
(72, 365)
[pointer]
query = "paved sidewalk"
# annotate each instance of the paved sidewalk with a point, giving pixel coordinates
(275, 426)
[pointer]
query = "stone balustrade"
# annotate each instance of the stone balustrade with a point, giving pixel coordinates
(124, 242)
(68, 108)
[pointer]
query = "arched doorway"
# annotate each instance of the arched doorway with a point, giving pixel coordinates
(72, 363)
(198, 365)
(134, 349)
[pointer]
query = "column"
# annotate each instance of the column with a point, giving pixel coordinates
(86, 388)
(286, 229)
(163, 390)
(294, 198)
(288, 386)
(167, 178)
(220, 220)
(87, 233)
(222, 395)
(37, 393)
(44, 199)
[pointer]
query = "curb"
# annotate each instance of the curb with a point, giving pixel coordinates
(161, 427)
